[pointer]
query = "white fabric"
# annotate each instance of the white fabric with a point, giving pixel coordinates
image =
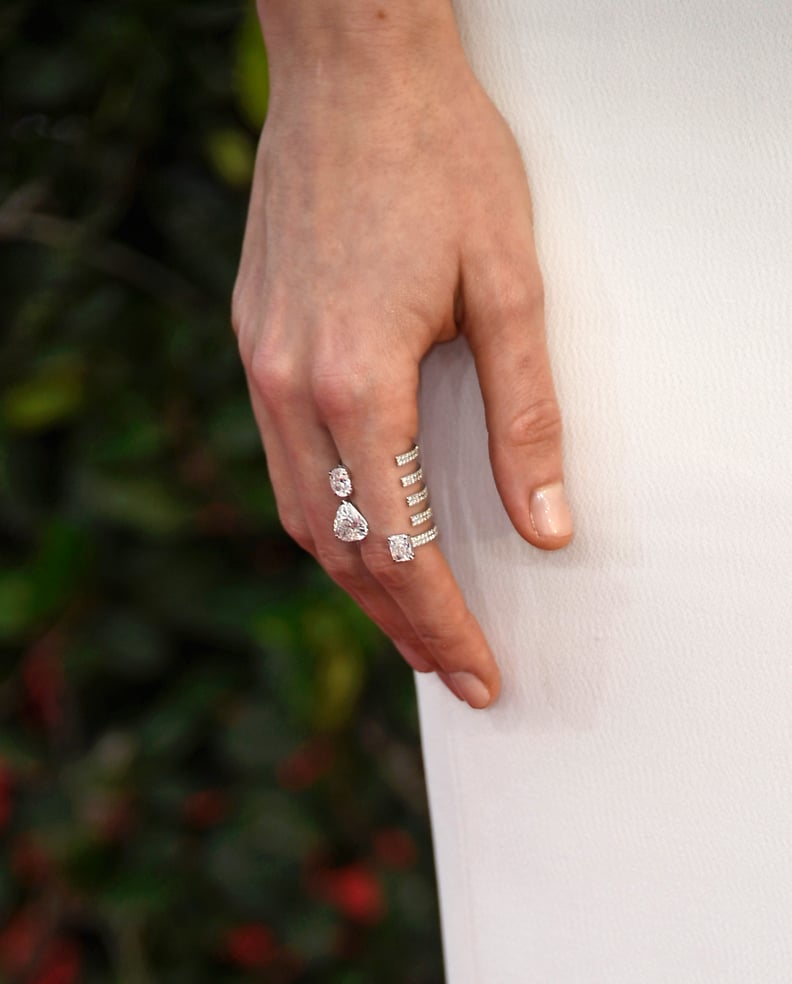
(623, 814)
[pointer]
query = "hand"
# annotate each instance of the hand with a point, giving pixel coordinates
(390, 211)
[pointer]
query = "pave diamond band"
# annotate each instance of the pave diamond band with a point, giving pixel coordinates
(402, 545)
(408, 456)
(421, 517)
(418, 497)
(412, 479)
(421, 538)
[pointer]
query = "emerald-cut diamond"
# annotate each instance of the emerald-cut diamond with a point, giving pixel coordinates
(401, 547)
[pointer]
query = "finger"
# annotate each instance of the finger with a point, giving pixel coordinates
(504, 324)
(306, 509)
(429, 596)
(370, 424)
(281, 474)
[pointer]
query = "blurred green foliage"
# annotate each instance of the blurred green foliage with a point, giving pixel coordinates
(209, 759)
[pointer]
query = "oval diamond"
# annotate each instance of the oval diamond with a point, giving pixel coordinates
(340, 482)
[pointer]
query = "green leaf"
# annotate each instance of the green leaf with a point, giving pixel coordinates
(340, 672)
(58, 567)
(232, 154)
(251, 72)
(18, 752)
(134, 644)
(272, 822)
(339, 681)
(53, 395)
(255, 738)
(178, 716)
(232, 431)
(315, 934)
(16, 599)
(139, 894)
(143, 503)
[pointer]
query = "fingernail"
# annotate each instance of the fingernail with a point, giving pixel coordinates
(471, 688)
(550, 510)
(450, 685)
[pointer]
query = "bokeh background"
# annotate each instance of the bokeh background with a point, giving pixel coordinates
(210, 766)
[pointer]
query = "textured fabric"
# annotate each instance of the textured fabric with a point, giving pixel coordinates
(623, 814)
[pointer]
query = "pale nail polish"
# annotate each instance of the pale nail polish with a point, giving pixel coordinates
(471, 688)
(447, 680)
(549, 509)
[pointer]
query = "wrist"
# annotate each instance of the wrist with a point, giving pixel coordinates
(362, 38)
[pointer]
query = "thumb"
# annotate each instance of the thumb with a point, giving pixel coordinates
(504, 325)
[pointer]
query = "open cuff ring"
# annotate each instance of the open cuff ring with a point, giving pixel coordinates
(402, 546)
(351, 526)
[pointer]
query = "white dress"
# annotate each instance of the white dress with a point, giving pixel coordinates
(623, 814)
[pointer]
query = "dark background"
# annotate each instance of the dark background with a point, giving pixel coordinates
(210, 766)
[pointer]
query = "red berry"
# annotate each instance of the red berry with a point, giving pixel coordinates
(251, 945)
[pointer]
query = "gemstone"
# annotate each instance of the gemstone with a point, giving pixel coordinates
(408, 456)
(401, 547)
(412, 479)
(421, 538)
(421, 517)
(418, 497)
(349, 524)
(340, 482)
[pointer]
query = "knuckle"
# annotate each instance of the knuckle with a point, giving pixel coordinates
(346, 577)
(297, 530)
(238, 312)
(295, 525)
(517, 294)
(525, 297)
(341, 396)
(392, 576)
(438, 641)
(273, 377)
(241, 323)
(342, 567)
(445, 637)
(536, 426)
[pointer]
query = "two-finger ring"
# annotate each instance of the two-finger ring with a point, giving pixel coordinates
(350, 525)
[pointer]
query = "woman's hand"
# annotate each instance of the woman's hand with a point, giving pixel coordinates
(390, 211)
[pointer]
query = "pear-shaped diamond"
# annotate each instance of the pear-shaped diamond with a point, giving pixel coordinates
(350, 524)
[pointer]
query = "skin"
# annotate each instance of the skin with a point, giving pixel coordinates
(389, 211)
